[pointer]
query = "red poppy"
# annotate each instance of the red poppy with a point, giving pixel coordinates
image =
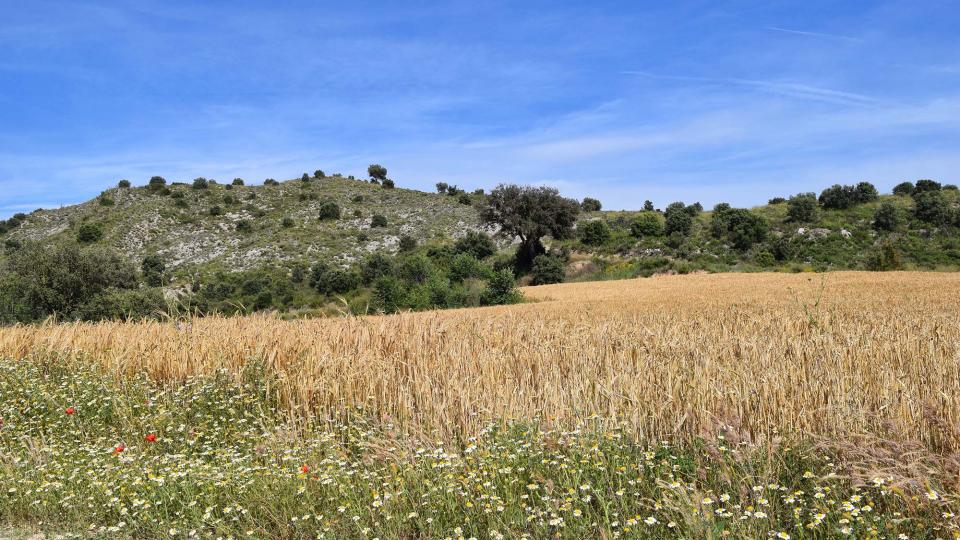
(305, 469)
(70, 410)
(119, 448)
(151, 437)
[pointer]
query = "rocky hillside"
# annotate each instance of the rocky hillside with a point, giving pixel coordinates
(237, 227)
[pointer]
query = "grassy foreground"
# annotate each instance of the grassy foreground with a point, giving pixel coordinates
(213, 457)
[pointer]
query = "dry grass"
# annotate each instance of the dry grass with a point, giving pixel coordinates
(672, 356)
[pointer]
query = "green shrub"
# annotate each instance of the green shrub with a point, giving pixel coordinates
(318, 174)
(156, 183)
(388, 294)
(407, 243)
(378, 220)
(923, 186)
(802, 208)
(377, 266)
(647, 224)
(237, 182)
(388, 184)
(123, 304)
(270, 182)
(200, 183)
(594, 233)
(887, 217)
(740, 226)
(377, 173)
(931, 206)
(547, 269)
(357, 198)
(478, 244)
(777, 200)
(105, 200)
(590, 205)
(88, 233)
(678, 219)
(123, 184)
(883, 259)
(501, 289)
(152, 267)
(903, 189)
(244, 226)
(465, 266)
(329, 210)
(287, 222)
(216, 211)
(416, 268)
(464, 199)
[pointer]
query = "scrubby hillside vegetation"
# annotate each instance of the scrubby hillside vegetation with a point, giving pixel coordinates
(333, 244)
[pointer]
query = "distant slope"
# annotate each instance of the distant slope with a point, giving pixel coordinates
(181, 226)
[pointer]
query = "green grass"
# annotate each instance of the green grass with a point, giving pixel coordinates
(226, 462)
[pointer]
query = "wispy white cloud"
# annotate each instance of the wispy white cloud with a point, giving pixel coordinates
(813, 34)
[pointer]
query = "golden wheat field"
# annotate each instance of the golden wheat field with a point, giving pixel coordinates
(672, 356)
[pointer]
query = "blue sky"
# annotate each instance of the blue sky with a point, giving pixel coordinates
(714, 101)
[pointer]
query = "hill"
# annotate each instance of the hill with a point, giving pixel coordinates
(237, 227)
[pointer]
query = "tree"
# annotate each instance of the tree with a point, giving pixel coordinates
(442, 187)
(377, 172)
(594, 233)
(648, 206)
(237, 182)
(270, 182)
(305, 177)
(501, 289)
(777, 200)
(740, 226)
(647, 223)
(153, 268)
(547, 269)
(838, 197)
(318, 174)
(465, 266)
(388, 183)
(200, 183)
(590, 205)
(388, 294)
(887, 217)
(329, 210)
(678, 219)
(478, 244)
(904, 189)
(866, 192)
(123, 184)
(89, 233)
(694, 209)
(37, 281)
(378, 220)
(931, 207)
(926, 185)
(802, 208)
(156, 183)
(530, 213)
(377, 266)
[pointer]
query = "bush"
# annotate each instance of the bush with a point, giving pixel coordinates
(904, 189)
(123, 304)
(648, 206)
(416, 268)
(270, 182)
(590, 205)
(678, 219)
(105, 200)
(478, 244)
(925, 186)
(216, 210)
(442, 187)
(594, 233)
(407, 243)
(89, 233)
(378, 220)
(501, 289)
(152, 269)
(951, 187)
(305, 177)
(237, 182)
(465, 266)
(887, 217)
(377, 266)
(123, 184)
(464, 199)
(740, 226)
(647, 224)
(694, 209)
(931, 206)
(802, 208)
(327, 280)
(200, 183)
(318, 174)
(885, 258)
(287, 222)
(388, 294)
(777, 200)
(547, 269)
(357, 198)
(388, 184)
(39, 281)
(329, 210)
(244, 226)
(156, 183)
